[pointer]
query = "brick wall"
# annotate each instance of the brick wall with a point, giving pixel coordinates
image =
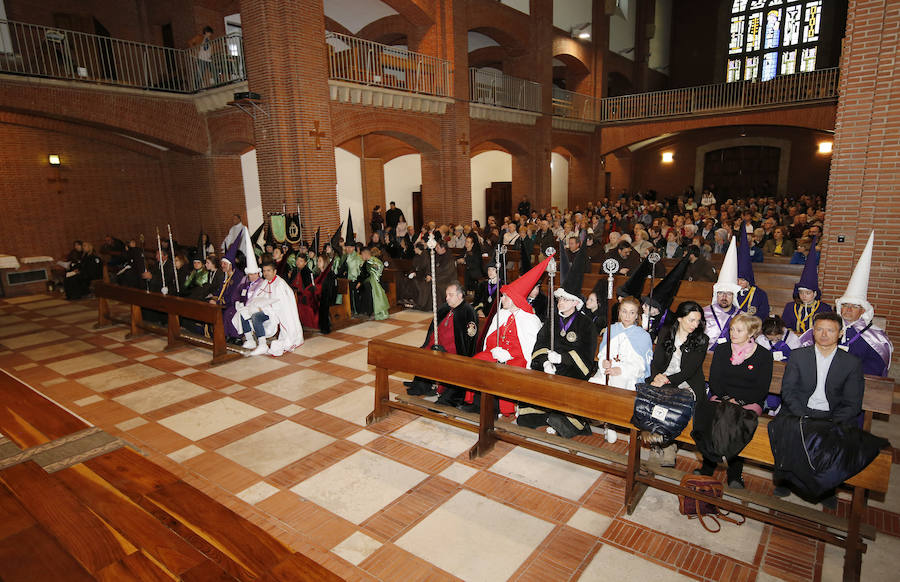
(864, 188)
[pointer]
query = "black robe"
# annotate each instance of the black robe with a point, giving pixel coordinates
(577, 346)
(465, 332)
(539, 304)
(484, 299)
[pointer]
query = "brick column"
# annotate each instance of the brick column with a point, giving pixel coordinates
(286, 59)
(446, 173)
(864, 186)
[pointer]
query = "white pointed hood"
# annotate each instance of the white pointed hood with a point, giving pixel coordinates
(728, 274)
(250, 256)
(858, 287)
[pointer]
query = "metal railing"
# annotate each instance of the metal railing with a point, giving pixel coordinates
(362, 61)
(42, 51)
(495, 88)
(821, 85)
(575, 105)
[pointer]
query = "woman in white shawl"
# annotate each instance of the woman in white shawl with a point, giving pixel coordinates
(630, 353)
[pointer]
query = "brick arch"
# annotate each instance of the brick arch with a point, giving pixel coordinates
(506, 35)
(82, 131)
(489, 56)
(351, 121)
(819, 117)
(171, 121)
(573, 54)
(230, 132)
(388, 30)
(379, 145)
(418, 12)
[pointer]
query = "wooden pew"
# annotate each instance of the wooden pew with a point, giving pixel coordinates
(615, 406)
(174, 307)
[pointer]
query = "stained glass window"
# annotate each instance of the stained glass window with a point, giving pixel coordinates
(770, 66)
(734, 70)
(811, 28)
(808, 60)
(788, 62)
(773, 37)
(737, 35)
(773, 28)
(751, 68)
(754, 32)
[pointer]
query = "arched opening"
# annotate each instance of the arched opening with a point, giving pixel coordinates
(491, 170)
(569, 73)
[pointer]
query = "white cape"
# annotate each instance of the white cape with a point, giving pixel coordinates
(277, 300)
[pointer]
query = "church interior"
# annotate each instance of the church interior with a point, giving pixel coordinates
(129, 451)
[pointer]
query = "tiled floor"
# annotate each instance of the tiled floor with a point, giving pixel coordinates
(283, 442)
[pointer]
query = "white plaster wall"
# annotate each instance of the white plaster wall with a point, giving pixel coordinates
(569, 13)
(349, 190)
(252, 197)
(662, 37)
(559, 180)
(520, 5)
(621, 28)
(402, 177)
(487, 167)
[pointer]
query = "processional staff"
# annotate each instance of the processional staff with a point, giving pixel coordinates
(501, 262)
(432, 244)
(172, 258)
(653, 258)
(610, 267)
(164, 290)
(551, 270)
(144, 260)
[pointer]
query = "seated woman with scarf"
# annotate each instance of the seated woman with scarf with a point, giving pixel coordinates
(741, 371)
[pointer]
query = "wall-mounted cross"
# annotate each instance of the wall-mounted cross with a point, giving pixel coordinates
(463, 141)
(317, 134)
(59, 180)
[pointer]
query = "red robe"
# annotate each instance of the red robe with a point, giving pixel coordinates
(509, 341)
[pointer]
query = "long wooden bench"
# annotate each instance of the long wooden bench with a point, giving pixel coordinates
(614, 406)
(174, 307)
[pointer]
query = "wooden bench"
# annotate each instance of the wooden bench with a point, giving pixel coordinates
(174, 307)
(614, 406)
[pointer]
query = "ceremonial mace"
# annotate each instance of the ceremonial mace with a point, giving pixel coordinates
(501, 260)
(551, 270)
(172, 257)
(653, 258)
(432, 244)
(144, 260)
(164, 290)
(610, 267)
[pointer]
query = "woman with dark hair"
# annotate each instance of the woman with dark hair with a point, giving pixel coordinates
(678, 360)
(377, 221)
(474, 265)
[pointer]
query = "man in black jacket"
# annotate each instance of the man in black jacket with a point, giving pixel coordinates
(822, 381)
(457, 330)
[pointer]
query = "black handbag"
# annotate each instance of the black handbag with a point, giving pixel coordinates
(731, 428)
(662, 410)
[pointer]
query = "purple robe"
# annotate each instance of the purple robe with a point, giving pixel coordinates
(758, 305)
(234, 292)
(806, 312)
(868, 343)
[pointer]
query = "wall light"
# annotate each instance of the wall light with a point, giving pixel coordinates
(825, 147)
(581, 31)
(54, 159)
(668, 157)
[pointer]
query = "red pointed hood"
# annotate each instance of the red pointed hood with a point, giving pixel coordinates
(519, 289)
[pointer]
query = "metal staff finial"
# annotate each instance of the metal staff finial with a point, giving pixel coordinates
(551, 270)
(432, 244)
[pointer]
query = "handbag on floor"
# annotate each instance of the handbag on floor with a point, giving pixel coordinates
(703, 510)
(662, 410)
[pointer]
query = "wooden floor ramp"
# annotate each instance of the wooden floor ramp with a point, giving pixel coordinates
(78, 505)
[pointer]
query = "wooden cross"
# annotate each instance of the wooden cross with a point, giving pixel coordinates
(463, 141)
(317, 134)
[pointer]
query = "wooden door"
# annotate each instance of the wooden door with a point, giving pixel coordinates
(498, 200)
(417, 217)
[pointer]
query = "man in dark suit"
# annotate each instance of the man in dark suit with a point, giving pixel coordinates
(838, 395)
(822, 381)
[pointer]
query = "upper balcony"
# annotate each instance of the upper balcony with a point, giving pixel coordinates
(500, 97)
(783, 91)
(41, 51)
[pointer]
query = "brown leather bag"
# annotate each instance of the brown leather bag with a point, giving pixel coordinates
(704, 510)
